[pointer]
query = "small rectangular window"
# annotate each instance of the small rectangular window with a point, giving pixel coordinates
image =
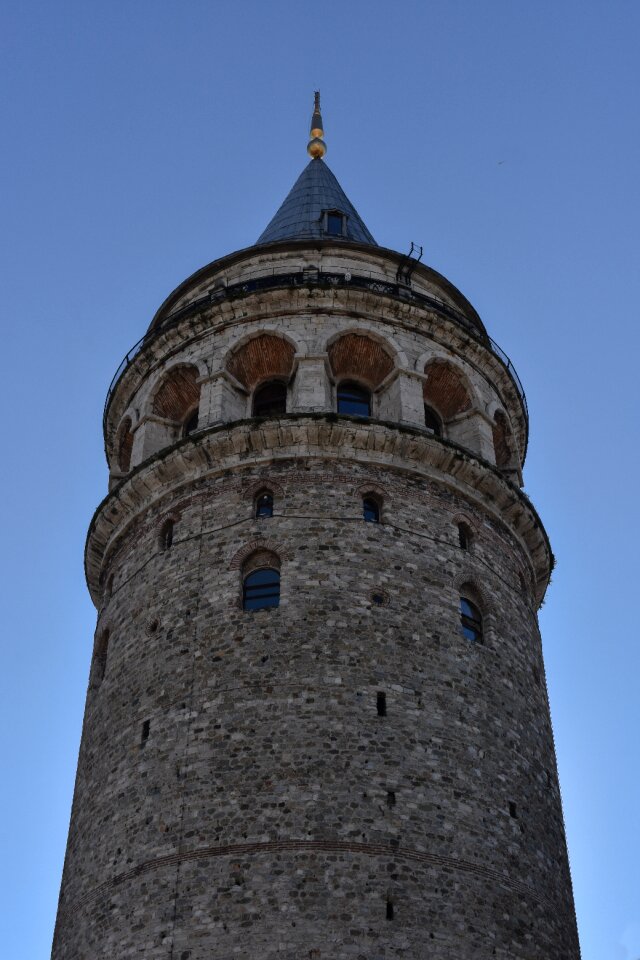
(389, 909)
(513, 812)
(391, 798)
(381, 703)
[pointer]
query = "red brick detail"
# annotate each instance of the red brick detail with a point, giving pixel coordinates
(314, 846)
(264, 357)
(354, 355)
(260, 543)
(445, 389)
(178, 394)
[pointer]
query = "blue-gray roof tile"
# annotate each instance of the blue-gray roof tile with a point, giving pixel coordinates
(301, 215)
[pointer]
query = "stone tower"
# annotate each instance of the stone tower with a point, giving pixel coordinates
(317, 726)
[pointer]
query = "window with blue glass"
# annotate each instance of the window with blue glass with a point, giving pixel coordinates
(264, 504)
(470, 620)
(354, 399)
(261, 589)
(370, 510)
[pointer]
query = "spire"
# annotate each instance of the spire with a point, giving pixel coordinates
(316, 206)
(316, 147)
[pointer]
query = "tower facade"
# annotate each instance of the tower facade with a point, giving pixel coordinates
(317, 723)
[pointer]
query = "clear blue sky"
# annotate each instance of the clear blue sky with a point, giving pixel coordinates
(144, 139)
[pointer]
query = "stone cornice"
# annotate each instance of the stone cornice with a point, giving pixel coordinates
(244, 443)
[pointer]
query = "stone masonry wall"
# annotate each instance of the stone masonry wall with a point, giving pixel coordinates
(269, 811)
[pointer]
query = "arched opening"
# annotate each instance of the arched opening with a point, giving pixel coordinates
(178, 398)
(371, 509)
(470, 618)
(359, 364)
(445, 395)
(502, 441)
(432, 421)
(264, 358)
(354, 399)
(124, 445)
(263, 505)
(270, 399)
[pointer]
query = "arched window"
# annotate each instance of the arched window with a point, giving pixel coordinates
(471, 620)
(354, 399)
(264, 504)
(464, 536)
(432, 421)
(371, 509)
(270, 400)
(166, 535)
(261, 589)
(191, 423)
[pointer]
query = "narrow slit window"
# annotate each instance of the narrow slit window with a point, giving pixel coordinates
(389, 908)
(464, 536)
(166, 535)
(146, 728)
(513, 810)
(391, 798)
(381, 703)
(261, 589)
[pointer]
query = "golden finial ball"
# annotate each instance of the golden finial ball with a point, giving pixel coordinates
(316, 148)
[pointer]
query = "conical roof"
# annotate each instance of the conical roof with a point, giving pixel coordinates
(302, 214)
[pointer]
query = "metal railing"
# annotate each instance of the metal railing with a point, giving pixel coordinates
(315, 278)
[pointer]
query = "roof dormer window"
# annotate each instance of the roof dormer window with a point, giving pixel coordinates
(335, 223)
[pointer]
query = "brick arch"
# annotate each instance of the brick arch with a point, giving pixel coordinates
(361, 357)
(375, 488)
(259, 545)
(478, 593)
(251, 491)
(124, 445)
(263, 357)
(177, 394)
(446, 389)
